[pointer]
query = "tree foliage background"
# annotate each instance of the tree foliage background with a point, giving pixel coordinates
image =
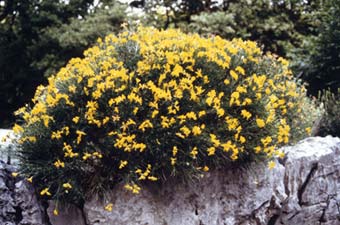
(39, 36)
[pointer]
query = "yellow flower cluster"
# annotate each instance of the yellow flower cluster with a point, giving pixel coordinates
(151, 102)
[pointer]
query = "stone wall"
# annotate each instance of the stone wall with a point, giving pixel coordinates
(304, 188)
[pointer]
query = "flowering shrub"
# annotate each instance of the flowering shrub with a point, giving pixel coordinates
(149, 104)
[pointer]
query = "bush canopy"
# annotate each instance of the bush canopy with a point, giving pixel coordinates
(151, 104)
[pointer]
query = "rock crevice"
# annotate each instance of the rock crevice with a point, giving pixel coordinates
(302, 189)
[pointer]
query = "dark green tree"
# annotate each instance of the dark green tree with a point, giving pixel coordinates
(279, 26)
(37, 37)
(172, 13)
(323, 65)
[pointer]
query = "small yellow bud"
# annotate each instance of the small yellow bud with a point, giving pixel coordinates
(14, 174)
(108, 207)
(55, 212)
(271, 164)
(30, 179)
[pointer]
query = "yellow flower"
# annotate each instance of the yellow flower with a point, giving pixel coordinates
(205, 169)
(97, 154)
(80, 134)
(242, 139)
(55, 212)
(271, 164)
(214, 140)
(245, 114)
(260, 123)
(133, 188)
(308, 130)
(72, 88)
(32, 139)
(59, 164)
(56, 135)
(257, 149)
(86, 156)
(154, 113)
(14, 174)
(145, 124)
(201, 113)
(108, 207)
(194, 152)
(233, 74)
(185, 130)
(67, 186)
(122, 164)
(135, 110)
(46, 119)
(226, 81)
(106, 120)
(152, 178)
(75, 119)
(280, 154)
(240, 70)
(17, 129)
(30, 179)
(266, 141)
(196, 130)
(247, 101)
(45, 192)
(220, 112)
(173, 161)
(211, 151)
(174, 150)
(234, 98)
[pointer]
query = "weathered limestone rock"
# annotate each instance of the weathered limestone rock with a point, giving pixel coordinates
(18, 203)
(302, 189)
(221, 197)
(7, 206)
(67, 214)
(312, 181)
(6, 146)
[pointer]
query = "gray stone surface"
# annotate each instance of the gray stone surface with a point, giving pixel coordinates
(7, 147)
(18, 202)
(221, 197)
(312, 181)
(7, 205)
(303, 189)
(67, 215)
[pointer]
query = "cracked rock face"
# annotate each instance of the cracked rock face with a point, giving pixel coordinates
(312, 181)
(18, 202)
(303, 189)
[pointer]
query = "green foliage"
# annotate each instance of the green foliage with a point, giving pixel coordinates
(71, 39)
(330, 121)
(172, 13)
(306, 32)
(279, 26)
(152, 104)
(38, 37)
(322, 61)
